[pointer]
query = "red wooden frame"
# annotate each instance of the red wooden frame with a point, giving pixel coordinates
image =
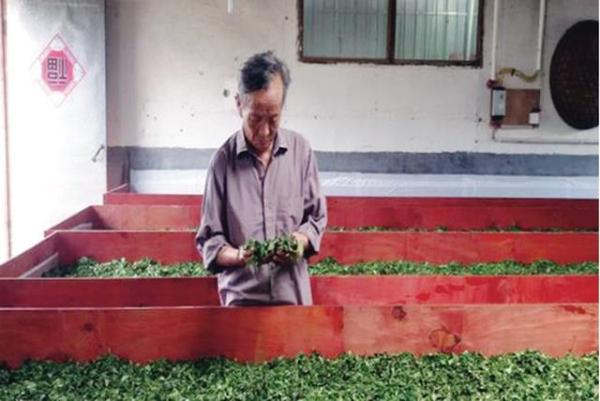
(30, 258)
(345, 247)
(327, 290)
(463, 213)
(462, 247)
(258, 334)
(351, 213)
(178, 318)
(132, 217)
(428, 213)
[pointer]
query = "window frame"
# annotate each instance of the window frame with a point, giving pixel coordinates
(391, 44)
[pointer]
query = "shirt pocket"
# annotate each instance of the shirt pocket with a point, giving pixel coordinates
(289, 212)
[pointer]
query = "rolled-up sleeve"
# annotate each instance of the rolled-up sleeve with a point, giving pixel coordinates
(211, 236)
(314, 220)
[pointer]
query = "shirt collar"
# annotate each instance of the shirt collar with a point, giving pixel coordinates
(280, 145)
(240, 143)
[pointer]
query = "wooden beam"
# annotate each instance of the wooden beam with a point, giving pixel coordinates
(163, 246)
(120, 188)
(258, 334)
(462, 213)
(327, 290)
(409, 211)
(148, 217)
(180, 333)
(125, 198)
(362, 212)
(489, 329)
(30, 258)
(108, 292)
(462, 247)
(347, 247)
(42, 267)
(390, 290)
(84, 218)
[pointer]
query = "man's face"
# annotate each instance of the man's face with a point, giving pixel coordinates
(261, 114)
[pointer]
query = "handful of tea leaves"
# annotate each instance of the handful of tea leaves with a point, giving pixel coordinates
(285, 247)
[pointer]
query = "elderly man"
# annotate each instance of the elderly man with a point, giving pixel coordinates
(261, 184)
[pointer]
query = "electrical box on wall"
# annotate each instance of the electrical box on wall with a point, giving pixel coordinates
(498, 105)
(522, 107)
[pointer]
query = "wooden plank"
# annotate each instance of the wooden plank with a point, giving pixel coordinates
(327, 290)
(108, 292)
(148, 217)
(42, 267)
(564, 250)
(30, 258)
(349, 247)
(375, 201)
(181, 333)
(427, 213)
(346, 247)
(84, 226)
(124, 198)
(397, 290)
(163, 246)
(120, 188)
(361, 212)
(259, 334)
(555, 329)
(462, 214)
(462, 247)
(83, 218)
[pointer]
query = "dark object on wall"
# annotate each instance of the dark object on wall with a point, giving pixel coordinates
(574, 75)
(498, 105)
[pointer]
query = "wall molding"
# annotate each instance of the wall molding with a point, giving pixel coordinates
(124, 159)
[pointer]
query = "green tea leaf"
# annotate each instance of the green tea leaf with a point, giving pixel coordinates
(86, 267)
(468, 376)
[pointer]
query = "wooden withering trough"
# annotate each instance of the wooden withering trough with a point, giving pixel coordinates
(147, 319)
(179, 318)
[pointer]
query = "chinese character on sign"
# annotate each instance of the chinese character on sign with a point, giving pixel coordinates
(57, 70)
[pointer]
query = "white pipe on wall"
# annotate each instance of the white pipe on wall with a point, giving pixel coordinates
(537, 139)
(541, 23)
(470, 26)
(494, 40)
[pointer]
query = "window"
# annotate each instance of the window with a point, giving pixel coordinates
(443, 32)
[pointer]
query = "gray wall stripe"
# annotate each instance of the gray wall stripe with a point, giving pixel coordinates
(142, 158)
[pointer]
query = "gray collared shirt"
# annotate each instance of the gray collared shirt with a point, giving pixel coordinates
(243, 200)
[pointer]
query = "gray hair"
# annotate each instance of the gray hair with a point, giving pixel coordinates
(258, 72)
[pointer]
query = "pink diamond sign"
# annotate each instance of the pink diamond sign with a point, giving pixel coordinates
(57, 70)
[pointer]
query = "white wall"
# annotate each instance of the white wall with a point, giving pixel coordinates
(52, 175)
(170, 62)
(4, 231)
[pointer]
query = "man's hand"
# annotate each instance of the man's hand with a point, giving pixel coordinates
(232, 257)
(285, 259)
(302, 241)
